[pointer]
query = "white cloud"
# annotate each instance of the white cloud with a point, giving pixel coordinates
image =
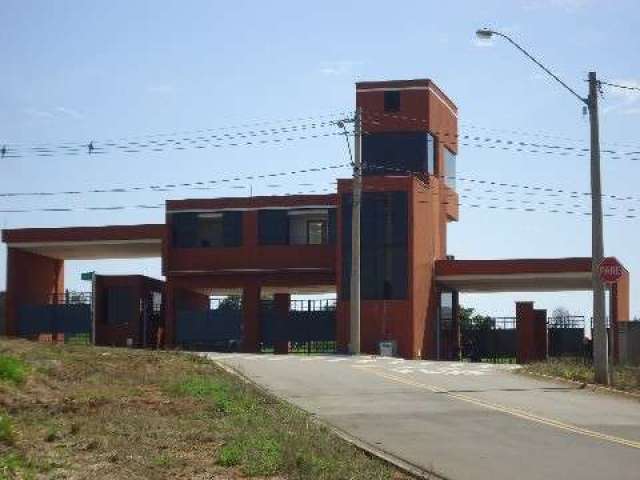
(70, 112)
(36, 113)
(337, 68)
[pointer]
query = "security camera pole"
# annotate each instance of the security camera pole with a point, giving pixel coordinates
(600, 347)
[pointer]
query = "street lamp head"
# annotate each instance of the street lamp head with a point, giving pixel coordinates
(484, 33)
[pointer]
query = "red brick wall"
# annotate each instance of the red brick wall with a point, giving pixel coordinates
(31, 279)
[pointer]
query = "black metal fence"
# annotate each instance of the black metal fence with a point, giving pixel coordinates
(65, 317)
(309, 327)
(489, 339)
(217, 329)
(566, 337)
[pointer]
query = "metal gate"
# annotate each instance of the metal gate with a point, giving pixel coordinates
(565, 337)
(309, 327)
(67, 316)
(489, 339)
(216, 329)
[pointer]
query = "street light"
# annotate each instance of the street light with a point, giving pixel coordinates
(600, 347)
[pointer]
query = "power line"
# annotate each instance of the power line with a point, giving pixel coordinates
(199, 142)
(562, 150)
(528, 205)
(336, 115)
(617, 85)
(173, 186)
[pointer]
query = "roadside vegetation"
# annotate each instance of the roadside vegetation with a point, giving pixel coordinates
(625, 378)
(80, 412)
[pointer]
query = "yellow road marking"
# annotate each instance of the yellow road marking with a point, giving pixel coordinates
(508, 410)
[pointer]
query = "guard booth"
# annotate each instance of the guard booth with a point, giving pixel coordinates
(128, 310)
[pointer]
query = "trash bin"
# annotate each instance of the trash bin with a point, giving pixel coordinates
(387, 348)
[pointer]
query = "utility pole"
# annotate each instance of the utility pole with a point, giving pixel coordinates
(600, 347)
(354, 343)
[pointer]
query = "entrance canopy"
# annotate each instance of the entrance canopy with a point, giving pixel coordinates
(88, 243)
(531, 275)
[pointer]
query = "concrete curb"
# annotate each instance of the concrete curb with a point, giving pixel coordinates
(591, 386)
(402, 465)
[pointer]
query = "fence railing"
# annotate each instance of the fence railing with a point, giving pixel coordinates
(70, 298)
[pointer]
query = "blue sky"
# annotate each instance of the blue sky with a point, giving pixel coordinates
(88, 71)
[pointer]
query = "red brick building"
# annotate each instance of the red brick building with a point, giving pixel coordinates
(272, 247)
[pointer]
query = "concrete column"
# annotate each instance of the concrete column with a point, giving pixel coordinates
(251, 317)
(31, 280)
(282, 305)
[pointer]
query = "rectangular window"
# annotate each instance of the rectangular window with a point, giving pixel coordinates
(206, 230)
(384, 254)
(273, 227)
(210, 230)
(450, 168)
(392, 101)
(316, 232)
(431, 154)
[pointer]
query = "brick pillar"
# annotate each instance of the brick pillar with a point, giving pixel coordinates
(281, 305)
(540, 335)
(525, 321)
(251, 317)
(31, 280)
(618, 310)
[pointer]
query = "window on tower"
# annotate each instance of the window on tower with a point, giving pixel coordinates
(450, 168)
(392, 101)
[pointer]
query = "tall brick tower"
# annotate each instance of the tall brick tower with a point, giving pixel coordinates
(409, 146)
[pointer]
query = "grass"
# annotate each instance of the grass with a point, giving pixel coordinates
(85, 412)
(625, 377)
(12, 369)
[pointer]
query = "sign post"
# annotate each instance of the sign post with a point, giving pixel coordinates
(610, 270)
(91, 277)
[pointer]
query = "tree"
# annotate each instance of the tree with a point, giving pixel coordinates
(469, 319)
(559, 317)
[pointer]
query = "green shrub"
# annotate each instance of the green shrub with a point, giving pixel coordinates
(12, 369)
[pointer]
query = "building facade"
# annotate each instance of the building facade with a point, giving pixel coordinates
(273, 247)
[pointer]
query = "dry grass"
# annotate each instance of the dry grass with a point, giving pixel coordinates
(626, 378)
(80, 412)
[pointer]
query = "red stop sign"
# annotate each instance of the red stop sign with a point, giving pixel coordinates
(610, 270)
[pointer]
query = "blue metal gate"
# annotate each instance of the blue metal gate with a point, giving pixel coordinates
(216, 329)
(69, 315)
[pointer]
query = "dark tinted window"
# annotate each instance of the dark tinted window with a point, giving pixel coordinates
(273, 227)
(184, 230)
(431, 154)
(191, 230)
(383, 247)
(392, 101)
(398, 152)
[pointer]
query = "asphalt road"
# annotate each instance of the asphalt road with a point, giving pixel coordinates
(462, 421)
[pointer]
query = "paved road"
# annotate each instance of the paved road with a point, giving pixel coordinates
(463, 421)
